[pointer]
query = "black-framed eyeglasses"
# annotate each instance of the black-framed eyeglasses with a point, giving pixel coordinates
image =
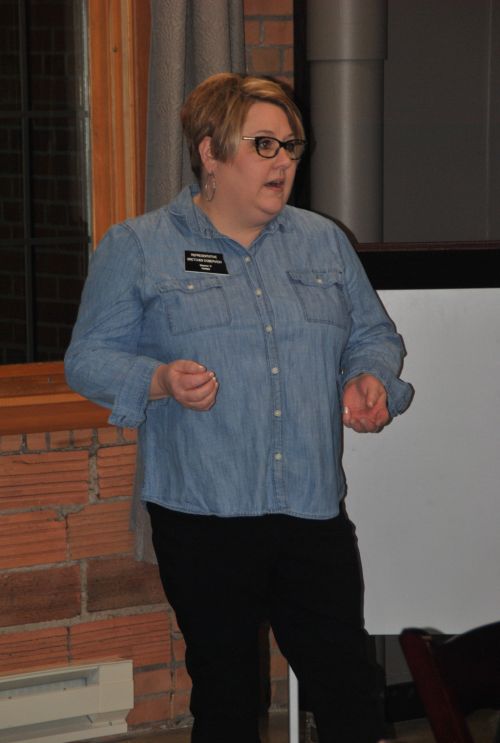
(269, 147)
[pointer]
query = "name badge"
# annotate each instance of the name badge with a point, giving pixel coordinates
(204, 262)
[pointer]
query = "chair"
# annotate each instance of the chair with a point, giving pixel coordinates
(454, 677)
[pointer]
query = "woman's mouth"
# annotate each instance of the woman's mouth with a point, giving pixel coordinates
(276, 185)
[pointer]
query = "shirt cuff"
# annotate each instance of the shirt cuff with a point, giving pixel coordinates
(399, 392)
(131, 400)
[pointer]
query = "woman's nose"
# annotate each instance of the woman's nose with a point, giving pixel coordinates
(283, 159)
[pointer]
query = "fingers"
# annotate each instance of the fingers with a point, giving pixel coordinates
(360, 423)
(365, 405)
(366, 421)
(191, 385)
(373, 391)
(201, 397)
(187, 366)
(364, 425)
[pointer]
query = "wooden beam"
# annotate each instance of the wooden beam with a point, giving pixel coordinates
(36, 398)
(119, 59)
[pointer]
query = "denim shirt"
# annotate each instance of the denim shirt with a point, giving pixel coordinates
(292, 320)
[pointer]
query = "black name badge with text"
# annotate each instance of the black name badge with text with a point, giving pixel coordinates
(204, 262)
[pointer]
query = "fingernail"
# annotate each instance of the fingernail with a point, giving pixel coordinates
(345, 410)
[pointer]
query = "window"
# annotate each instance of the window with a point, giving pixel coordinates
(72, 139)
(44, 223)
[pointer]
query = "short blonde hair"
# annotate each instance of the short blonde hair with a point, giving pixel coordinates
(218, 108)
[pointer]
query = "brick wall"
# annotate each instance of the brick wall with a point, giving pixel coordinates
(70, 589)
(269, 38)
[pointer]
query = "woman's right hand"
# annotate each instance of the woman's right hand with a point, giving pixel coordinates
(188, 382)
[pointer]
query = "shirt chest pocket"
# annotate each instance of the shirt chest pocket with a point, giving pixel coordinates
(321, 296)
(194, 304)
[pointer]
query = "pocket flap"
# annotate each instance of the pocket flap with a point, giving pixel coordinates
(316, 278)
(189, 285)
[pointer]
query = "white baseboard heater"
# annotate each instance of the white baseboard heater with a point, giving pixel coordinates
(66, 704)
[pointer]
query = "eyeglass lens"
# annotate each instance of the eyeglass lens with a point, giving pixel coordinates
(270, 146)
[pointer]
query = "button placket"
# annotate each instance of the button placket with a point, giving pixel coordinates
(263, 307)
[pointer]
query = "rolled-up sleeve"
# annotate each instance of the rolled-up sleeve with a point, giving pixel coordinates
(374, 347)
(102, 362)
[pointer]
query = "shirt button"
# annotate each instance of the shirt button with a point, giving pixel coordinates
(258, 292)
(278, 456)
(269, 328)
(319, 280)
(190, 286)
(275, 370)
(247, 259)
(277, 413)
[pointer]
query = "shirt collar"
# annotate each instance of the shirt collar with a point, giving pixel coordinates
(183, 208)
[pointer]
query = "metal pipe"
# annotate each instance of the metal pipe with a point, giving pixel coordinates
(346, 48)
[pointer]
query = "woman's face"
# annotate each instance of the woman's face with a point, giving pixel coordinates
(251, 189)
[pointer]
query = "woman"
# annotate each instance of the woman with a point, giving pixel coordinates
(238, 334)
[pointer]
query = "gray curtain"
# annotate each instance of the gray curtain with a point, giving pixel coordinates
(190, 40)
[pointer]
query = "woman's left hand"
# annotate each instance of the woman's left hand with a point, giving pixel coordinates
(365, 404)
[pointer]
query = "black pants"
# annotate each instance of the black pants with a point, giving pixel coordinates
(223, 577)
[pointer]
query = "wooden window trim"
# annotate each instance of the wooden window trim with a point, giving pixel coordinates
(35, 397)
(119, 61)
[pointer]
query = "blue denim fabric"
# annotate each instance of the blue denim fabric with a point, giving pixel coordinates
(294, 319)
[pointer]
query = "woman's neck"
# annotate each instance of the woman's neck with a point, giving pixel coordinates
(244, 235)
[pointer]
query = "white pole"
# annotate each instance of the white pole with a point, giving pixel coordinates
(293, 707)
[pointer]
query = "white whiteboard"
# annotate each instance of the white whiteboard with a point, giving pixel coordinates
(425, 493)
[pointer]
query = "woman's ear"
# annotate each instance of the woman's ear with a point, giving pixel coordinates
(206, 156)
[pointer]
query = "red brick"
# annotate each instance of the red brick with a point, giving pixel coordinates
(11, 443)
(39, 595)
(268, 7)
(44, 479)
(107, 435)
(83, 437)
(279, 693)
(288, 62)
(23, 651)
(145, 638)
(178, 649)
(129, 434)
(116, 470)
(36, 441)
(154, 709)
(279, 666)
(100, 530)
(119, 582)
(278, 32)
(180, 704)
(59, 439)
(152, 682)
(252, 32)
(265, 59)
(182, 680)
(35, 538)
(175, 626)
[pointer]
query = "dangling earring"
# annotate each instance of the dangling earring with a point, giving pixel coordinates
(210, 186)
